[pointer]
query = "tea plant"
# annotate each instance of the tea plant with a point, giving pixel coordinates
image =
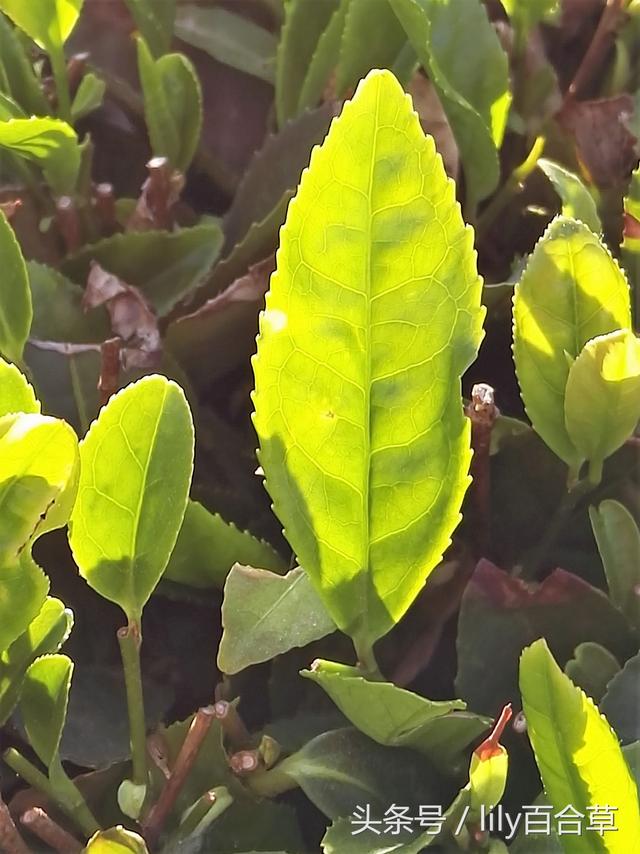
(408, 621)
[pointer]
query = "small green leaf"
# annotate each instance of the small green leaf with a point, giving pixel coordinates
(155, 22)
(45, 634)
(304, 23)
(207, 547)
(229, 38)
(16, 395)
(136, 466)
(88, 97)
(15, 297)
(50, 143)
(578, 754)
(618, 540)
(16, 73)
(373, 315)
(571, 291)
(602, 397)
(471, 78)
(23, 590)
(577, 201)
(399, 718)
(592, 668)
(166, 266)
(43, 704)
(48, 22)
(116, 840)
(172, 105)
(620, 703)
(372, 37)
(265, 615)
(38, 464)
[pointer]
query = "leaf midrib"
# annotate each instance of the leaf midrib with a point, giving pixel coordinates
(366, 492)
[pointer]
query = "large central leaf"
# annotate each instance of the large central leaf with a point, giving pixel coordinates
(373, 315)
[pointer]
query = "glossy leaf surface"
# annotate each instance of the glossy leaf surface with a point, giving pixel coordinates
(373, 315)
(136, 466)
(49, 143)
(48, 22)
(155, 22)
(43, 704)
(15, 297)
(577, 752)
(38, 461)
(602, 397)
(265, 615)
(571, 291)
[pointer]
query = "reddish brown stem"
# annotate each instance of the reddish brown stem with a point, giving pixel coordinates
(232, 725)
(244, 762)
(109, 369)
(45, 828)
(491, 746)
(10, 840)
(105, 205)
(608, 24)
(159, 812)
(68, 223)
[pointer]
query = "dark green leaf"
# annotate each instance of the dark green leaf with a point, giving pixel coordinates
(500, 615)
(15, 298)
(16, 74)
(265, 615)
(304, 24)
(172, 105)
(166, 266)
(155, 22)
(88, 97)
(577, 201)
(592, 668)
(229, 38)
(207, 547)
(620, 703)
(470, 76)
(324, 60)
(618, 540)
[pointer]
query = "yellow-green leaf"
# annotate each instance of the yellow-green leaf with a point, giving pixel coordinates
(23, 590)
(578, 754)
(50, 143)
(602, 397)
(116, 840)
(136, 466)
(16, 311)
(571, 291)
(38, 467)
(43, 704)
(48, 22)
(16, 395)
(373, 315)
(577, 201)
